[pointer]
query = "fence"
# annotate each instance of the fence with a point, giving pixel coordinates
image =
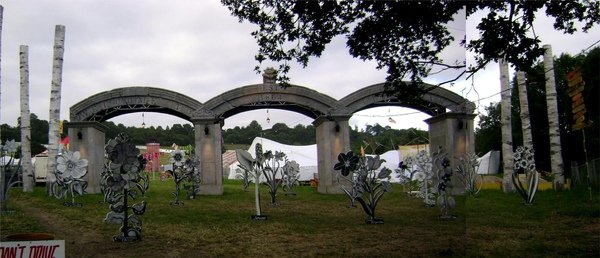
(579, 175)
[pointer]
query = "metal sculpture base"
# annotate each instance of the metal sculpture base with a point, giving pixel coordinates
(176, 203)
(259, 217)
(447, 217)
(72, 204)
(374, 221)
(126, 238)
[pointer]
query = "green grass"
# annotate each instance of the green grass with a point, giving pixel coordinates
(317, 225)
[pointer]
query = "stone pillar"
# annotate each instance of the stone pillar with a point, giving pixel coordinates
(454, 132)
(208, 148)
(88, 138)
(333, 137)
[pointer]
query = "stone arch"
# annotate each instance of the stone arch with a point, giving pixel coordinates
(267, 95)
(451, 124)
(435, 101)
(109, 104)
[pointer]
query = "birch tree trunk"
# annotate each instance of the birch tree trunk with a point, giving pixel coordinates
(505, 110)
(1, 16)
(2, 203)
(54, 116)
(524, 104)
(553, 125)
(25, 121)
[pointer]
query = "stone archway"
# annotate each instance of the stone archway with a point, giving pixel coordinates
(451, 125)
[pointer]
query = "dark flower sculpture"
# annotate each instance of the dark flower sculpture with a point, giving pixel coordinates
(123, 178)
(70, 170)
(370, 183)
(444, 200)
(185, 170)
(347, 163)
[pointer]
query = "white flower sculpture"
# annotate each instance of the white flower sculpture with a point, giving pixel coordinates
(10, 146)
(178, 157)
(71, 168)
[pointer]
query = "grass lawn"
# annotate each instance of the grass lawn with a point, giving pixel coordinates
(315, 225)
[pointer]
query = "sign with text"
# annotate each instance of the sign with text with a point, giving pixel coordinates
(33, 249)
(575, 90)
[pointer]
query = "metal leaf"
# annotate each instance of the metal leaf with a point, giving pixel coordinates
(114, 217)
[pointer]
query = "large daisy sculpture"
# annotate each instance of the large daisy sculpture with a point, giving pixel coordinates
(70, 170)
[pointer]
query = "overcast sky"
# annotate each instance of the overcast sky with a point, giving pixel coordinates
(198, 49)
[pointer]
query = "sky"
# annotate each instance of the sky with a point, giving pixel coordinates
(199, 49)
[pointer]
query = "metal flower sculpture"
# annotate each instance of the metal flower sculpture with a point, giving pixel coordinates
(123, 178)
(424, 176)
(255, 166)
(406, 173)
(9, 174)
(524, 163)
(187, 171)
(291, 174)
(70, 170)
(444, 187)
(177, 158)
(272, 167)
(244, 174)
(192, 186)
(347, 162)
(372, 184)
(467, 171)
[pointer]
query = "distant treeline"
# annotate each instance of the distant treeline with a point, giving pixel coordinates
(374, 138)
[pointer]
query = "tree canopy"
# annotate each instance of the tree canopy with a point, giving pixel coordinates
(405, 37)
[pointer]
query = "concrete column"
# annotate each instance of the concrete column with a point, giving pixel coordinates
(88, 138)
(208, 149)
(333, 137)
(454, 132)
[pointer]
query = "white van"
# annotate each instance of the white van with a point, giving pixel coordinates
(40, 168)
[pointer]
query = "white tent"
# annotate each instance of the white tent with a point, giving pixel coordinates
(489, 163)
(305, 156)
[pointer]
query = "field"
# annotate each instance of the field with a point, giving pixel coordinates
(315, 225)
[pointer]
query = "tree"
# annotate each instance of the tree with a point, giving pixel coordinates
(54, 117)
(507, 141)
(406, 37)
(28, 182)
(488, 135)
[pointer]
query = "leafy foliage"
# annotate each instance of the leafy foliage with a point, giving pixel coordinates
(406, 37)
